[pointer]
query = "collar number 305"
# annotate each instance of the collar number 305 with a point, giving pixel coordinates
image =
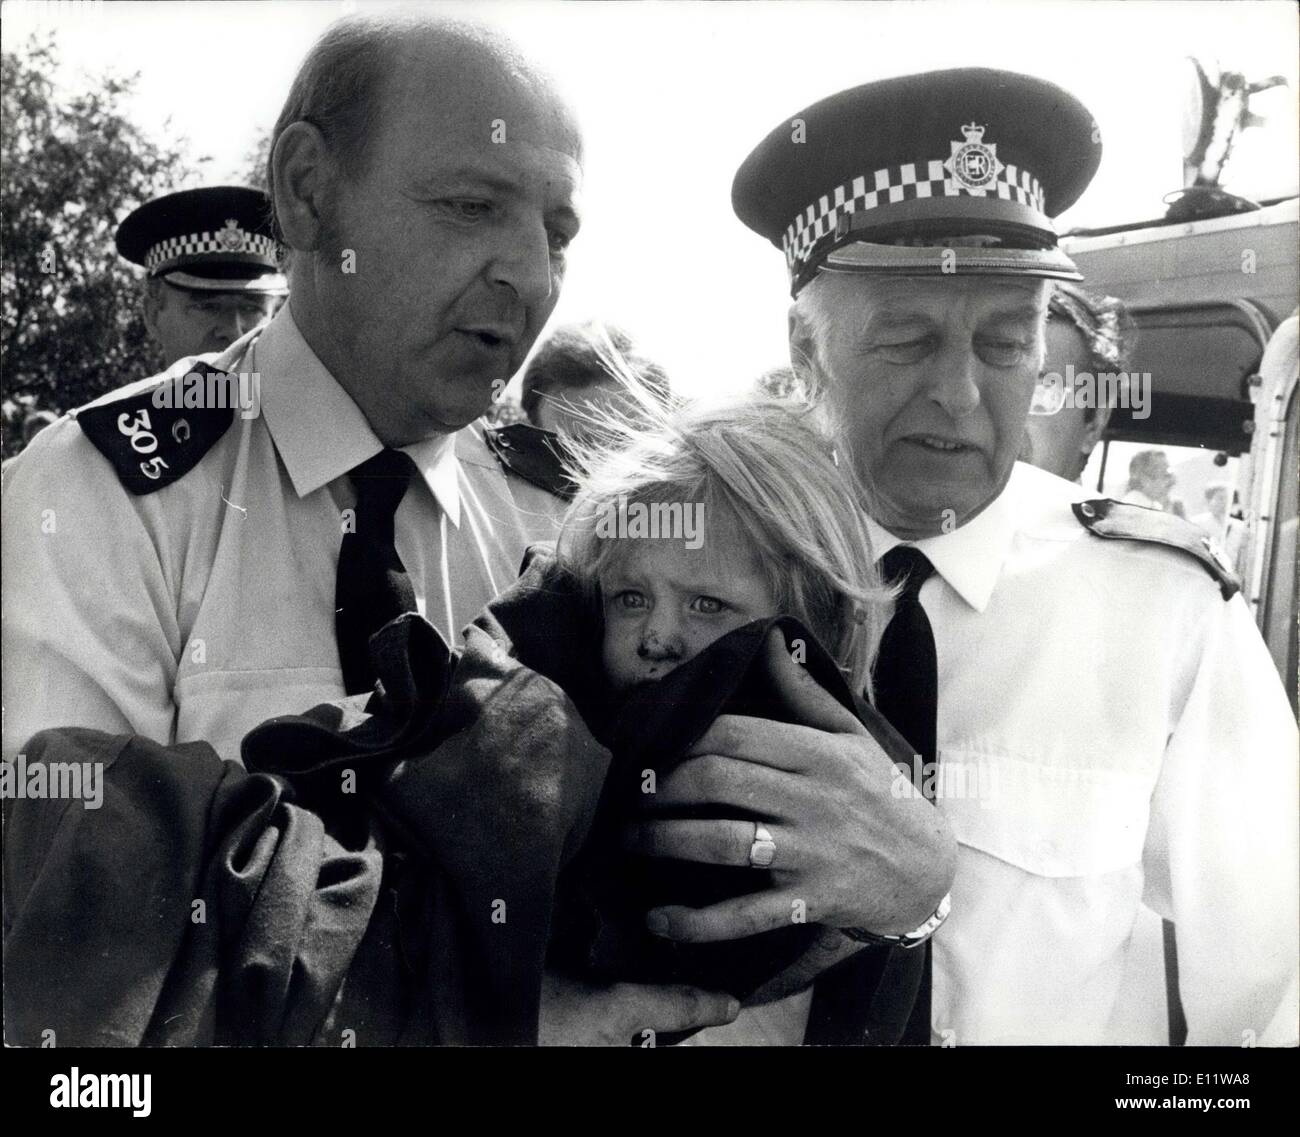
(143, 442)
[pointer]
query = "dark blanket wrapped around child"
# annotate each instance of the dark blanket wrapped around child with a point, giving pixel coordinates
(406, 870)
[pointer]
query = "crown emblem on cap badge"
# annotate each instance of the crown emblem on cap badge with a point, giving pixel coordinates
(231, 237)
(974, 163)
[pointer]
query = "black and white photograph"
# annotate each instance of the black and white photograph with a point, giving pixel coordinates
(759, 526)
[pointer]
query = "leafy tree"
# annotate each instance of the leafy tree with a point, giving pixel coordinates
(71, 167)
(255, 161)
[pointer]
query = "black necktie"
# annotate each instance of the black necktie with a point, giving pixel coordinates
(372, 586)
(906, 679)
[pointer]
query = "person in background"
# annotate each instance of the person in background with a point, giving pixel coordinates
(212, 264)
(571, 381)
(1088, 334)
(33, 424)
(1150, 480)
(1227, 530)
(36, 422)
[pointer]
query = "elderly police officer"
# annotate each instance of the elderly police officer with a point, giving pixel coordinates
(212, 266)
(186, 571)
(1109, 730)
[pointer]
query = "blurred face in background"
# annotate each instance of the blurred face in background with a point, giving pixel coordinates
(575, 412)
(1061, 443)
(1216, 502)
(1156, 479)
(185, 322)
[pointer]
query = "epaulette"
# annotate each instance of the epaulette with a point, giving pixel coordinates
(150, 437)
(536, 455)
(1104, 517)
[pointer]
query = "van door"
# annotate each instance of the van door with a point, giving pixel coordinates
(1269, 568)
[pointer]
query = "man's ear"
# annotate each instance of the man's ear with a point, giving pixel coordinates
(304, 174)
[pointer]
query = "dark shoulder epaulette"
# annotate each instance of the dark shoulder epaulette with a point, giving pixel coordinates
(152, 437)
(536, 455)
(1103, 517)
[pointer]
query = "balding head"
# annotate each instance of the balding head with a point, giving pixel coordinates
(354, 68)
(426, 176)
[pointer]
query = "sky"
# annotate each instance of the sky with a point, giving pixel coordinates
(673, 95)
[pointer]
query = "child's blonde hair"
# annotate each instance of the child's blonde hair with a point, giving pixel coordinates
(768, 467)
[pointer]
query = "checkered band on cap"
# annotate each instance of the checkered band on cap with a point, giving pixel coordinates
(228, 241)
(893, 184)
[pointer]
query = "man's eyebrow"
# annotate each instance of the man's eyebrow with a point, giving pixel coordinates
(567, 214)
(472, 175)
(1021, 312)
(883, 318)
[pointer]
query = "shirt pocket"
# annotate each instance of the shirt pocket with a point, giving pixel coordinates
(220, 707)
(1052, 821)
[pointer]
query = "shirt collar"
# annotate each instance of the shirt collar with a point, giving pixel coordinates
(319, 431)
(970, 558)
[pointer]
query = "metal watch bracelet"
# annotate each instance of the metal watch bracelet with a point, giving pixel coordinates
(908, 939)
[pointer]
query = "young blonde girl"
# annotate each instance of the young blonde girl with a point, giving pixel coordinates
(775, 529)
(756, 518)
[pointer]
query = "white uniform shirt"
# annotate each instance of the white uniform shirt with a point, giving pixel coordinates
(200, 610)
(1116, 742)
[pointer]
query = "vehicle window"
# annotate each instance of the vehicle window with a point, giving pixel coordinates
(1193, 363)
(1195, 470)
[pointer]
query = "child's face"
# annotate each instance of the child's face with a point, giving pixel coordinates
(665, 603)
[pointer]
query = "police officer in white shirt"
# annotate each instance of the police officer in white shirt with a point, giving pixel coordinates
(211, 266)
(1108, 735)
(192, 554)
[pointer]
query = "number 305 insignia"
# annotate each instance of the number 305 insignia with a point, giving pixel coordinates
(143, 442)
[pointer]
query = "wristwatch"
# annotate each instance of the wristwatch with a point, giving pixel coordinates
(908, 939)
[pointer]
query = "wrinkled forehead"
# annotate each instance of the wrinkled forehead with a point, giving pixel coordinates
(884, 298)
